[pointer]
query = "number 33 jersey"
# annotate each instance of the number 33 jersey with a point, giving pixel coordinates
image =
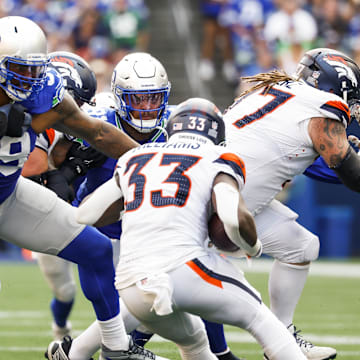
(167, 191)
(270, 133)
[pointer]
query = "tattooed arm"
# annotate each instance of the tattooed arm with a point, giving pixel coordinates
(330, 141)
(68, 118)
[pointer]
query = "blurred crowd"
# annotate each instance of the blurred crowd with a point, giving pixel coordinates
(250, 36)
(101, 31)
(255, 36)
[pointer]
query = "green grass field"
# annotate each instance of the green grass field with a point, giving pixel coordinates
(328, 313)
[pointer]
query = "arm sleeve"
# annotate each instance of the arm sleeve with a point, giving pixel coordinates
(91, 210)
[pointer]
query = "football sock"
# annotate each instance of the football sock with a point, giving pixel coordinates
(215, 333)
(112, 330)
(286, 283)
(61, 311)
(140, 338)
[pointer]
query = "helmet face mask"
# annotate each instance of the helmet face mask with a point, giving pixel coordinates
(332, 71)
(197, 119)
(141, 89)
(79, 79)
(23, 58)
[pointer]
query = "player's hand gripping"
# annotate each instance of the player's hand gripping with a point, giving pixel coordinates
(79, 160)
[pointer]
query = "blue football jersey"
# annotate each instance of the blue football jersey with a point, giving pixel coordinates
(97, 176)
(14, 151)
(319, 170)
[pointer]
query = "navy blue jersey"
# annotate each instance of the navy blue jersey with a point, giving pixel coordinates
(97, 176)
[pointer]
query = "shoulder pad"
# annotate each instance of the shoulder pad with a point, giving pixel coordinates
(51, 95)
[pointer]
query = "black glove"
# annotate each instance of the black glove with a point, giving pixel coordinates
(55, 181)
(79, 160)
(14, 120)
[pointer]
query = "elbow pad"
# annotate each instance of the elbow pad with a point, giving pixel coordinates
(348, 170)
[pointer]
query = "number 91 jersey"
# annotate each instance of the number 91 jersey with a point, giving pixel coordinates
(270, 133)
(167, 192)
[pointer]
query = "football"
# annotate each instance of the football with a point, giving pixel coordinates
(218, 236)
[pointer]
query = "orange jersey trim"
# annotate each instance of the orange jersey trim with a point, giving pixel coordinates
(51, 135)
(235, 159)
(339, 105)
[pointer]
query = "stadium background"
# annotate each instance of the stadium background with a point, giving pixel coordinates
(245, 42)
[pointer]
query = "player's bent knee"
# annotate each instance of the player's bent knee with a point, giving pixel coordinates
(66, 292)
(311, 252)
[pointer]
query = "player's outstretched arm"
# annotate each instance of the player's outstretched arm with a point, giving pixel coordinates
(330, 141)
(103, 206)
(68, 118)
(238, 222)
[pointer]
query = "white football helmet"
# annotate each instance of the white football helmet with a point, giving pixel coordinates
(23, 57)
(138, 77)
(105, 99)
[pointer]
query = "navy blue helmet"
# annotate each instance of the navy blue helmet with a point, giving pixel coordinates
(197, 116)
(331, 71)
(79, 78)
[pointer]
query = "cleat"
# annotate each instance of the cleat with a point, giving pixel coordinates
(60, 332)
(228, 356)
(134, 352)
(311, 351)
(59, 349)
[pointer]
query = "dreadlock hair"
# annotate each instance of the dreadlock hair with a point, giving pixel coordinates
(267, 80)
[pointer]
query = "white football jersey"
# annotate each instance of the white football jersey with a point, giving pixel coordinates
(167, 191)
(270, 133)
(48, 139)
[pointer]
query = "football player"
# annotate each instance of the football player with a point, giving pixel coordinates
(295, 119)
(165, 273)
(32, 99)
(140, 89)
(50, 149)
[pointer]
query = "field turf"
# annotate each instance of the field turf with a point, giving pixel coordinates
(328, 313)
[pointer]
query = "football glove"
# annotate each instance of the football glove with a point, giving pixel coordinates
(55, 181)
(79, 160)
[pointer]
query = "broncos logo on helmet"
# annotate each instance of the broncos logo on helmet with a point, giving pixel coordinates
(340, 65)
(79, 79)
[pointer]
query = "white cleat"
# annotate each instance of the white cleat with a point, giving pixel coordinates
(311, 351)
(135, 352)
